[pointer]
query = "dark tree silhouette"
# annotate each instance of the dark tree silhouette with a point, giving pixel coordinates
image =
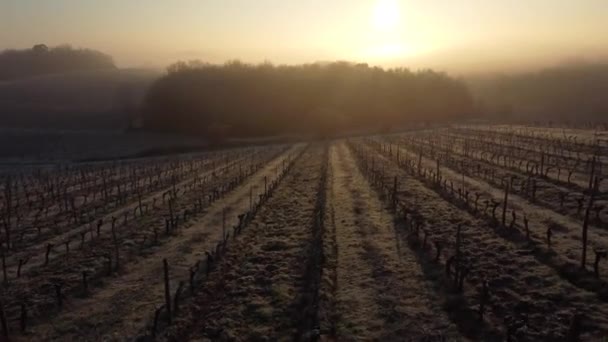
(574, 93)
(241, 100)
(42, 60)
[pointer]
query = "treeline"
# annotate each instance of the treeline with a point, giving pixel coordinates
(96, 99)
(242, 100)
(41, 60)
(571, 93)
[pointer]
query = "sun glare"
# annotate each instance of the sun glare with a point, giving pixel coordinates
(386, 15)
(385, 36)
(384, 50)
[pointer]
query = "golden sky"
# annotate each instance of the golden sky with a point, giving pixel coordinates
(459, 36)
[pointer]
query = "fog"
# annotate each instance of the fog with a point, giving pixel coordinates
(460, 37)
(544, 60)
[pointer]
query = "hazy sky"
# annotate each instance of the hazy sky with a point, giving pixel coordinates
(456, 35)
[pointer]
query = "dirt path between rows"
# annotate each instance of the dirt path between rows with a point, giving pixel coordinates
(121, 309)
(256, 291)
(566, 240)
(519, 283)
(380, 290)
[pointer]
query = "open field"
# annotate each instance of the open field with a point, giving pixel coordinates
(462, 233)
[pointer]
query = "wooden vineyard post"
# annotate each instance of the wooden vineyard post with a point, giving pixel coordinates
(599, 254)
(140, 205)
(250, 198)
(178, 294)
(438, 179)
(458, 257)
(463, 185)
(171, 220)
(5, 276)
(591, 176)
(485, 295)
(209, 263)
(21, 263)
(8, 205)
(85, 282)
(265, 185)
(542, 163)
(3, 321)
(394, 197)
(49, 247)
(167, 290)
(99, 224)
(504, 205)
(59, 295)
(584, 239)
(574, 330)
(223, 224)
(438, 247)
(23, 318)
(156, 317)
(586, 223)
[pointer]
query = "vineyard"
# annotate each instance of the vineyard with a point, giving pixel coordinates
(468, 232)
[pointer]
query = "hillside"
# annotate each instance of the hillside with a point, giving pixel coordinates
(42, 60)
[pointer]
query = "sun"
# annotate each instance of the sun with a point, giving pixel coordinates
(385, 38)
(386, 15)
